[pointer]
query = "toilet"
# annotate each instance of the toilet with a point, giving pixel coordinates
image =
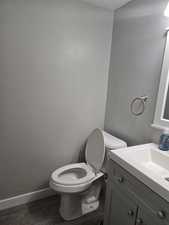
(80, 183)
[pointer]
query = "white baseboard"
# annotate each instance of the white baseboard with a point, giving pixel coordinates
(25, 198)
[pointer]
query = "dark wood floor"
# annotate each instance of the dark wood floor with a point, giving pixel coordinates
(45, 212)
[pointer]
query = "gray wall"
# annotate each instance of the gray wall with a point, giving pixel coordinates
(166, 111)
(54, 58)
(135, 67)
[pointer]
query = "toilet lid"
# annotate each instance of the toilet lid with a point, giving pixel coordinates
(95, 149)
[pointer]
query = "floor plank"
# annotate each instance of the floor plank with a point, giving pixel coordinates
(45, 212)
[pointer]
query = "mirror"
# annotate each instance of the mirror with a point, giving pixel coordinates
(161, 119)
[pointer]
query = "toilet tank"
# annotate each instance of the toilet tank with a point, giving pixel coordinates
(112, 142)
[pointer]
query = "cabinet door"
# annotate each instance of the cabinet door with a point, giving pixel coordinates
(120, 210)
(146, 217)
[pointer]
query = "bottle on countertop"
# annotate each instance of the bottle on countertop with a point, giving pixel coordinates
(164, 141)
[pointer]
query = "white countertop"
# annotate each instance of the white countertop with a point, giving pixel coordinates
(148, 164)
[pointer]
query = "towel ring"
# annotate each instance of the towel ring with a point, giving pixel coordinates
(141, 102)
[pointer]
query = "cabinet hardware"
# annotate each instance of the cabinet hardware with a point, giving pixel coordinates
(161, 214)
(130, 213)
(139, 221)
(120, 179)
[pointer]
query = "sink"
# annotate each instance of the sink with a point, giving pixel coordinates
(149, 164)
(151, 159)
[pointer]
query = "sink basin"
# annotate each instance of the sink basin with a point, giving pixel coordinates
(149, 164)
(151, 159)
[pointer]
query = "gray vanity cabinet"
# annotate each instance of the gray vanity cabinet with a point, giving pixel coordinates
(121, 209)
(145, 218)
(130, 202)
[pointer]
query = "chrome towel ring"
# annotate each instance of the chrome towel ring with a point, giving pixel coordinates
(137, 106)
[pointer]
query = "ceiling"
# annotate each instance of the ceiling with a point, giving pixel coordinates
(109, 4)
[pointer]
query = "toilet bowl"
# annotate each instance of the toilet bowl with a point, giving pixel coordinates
(73, 178)
(78, 183)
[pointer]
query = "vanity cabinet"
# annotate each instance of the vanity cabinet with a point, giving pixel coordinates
(121, 209)
(130, 202)
(145, 218)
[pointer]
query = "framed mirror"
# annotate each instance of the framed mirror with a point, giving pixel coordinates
(161, 119)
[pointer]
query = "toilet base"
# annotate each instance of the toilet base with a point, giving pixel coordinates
(73, 206)
(70, 206)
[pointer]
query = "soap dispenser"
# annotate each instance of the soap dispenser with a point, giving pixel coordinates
(164, 140)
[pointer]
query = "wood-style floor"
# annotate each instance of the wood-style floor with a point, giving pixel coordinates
(45, 212)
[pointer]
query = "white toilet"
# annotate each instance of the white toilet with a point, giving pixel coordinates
(79, 183)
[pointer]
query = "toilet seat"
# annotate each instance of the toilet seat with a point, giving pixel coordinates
(74, 187)
(73, 174)
(77, 177)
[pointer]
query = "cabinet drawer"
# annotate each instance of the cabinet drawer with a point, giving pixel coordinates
(146, 216)
(140, 192)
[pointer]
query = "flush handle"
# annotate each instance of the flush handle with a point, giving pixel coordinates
(161, 214)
